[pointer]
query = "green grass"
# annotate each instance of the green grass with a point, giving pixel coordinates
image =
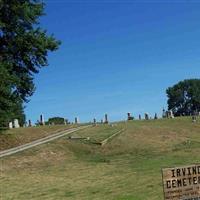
(100, 132)
(127, 168)
(15, 137)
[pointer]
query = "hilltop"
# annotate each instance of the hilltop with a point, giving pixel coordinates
(127, 167)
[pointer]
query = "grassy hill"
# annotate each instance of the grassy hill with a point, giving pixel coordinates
(128, 167)
(15, 137)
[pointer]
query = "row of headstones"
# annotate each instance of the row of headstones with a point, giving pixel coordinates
(14, 124)
(105, 121)
(146, 116)
(166, 114)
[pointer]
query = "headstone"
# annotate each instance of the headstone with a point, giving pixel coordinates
(163, 113)
(42, 120)
(194, 116)
(76, 120)
(106, 119)
(29, 123)
(16, 123)
(156, 116)
(140, 117)
(146, 116)
(171, 114)
(10, 125)
(129, 116)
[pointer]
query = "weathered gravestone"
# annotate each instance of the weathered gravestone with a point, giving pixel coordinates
(76, 120)
(194, 116)
(29, 123)
(129, 116)
(16, 123)
(10, 125)
(42, 122)
(182, 183)
(169, 114)
(163, 113)
(106, 119)
(146, 116)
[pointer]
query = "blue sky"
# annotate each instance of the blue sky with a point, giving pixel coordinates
(116, 57)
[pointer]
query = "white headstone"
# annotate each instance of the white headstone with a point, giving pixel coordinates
(171, 114)
(16, 123)
(10, 125)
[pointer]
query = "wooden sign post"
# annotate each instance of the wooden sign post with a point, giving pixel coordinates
(182, 183)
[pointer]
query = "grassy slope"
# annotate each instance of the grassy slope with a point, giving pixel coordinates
(15, 137)
(129, 167)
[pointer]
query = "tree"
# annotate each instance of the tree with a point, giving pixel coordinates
(11, 107)
(56, 120)
(24, 47)
(184, 97)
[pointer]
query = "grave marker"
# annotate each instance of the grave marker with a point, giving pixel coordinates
(42, 120)
(129, 117)
(29, 123)
(106, 119)
(146, 116)
(76, 120)
(10, 125)
(16, 123)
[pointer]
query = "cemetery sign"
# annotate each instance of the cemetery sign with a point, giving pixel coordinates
(182, 183)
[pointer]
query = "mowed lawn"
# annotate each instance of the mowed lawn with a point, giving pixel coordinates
(127, 168)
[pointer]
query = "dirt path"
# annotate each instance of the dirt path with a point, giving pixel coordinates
(39, 141)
